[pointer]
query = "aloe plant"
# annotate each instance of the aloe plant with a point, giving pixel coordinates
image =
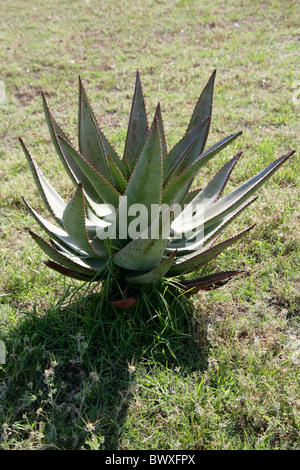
(91, 240)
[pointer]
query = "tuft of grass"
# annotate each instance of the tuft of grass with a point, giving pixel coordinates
(71, 369)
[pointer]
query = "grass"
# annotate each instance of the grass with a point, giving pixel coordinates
(221, 372)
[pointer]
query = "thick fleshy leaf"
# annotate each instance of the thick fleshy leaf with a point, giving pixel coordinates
(69, 272)
(174, 188)
(237, 197)
(187, 149)
(110, 151)
(55, 129)
(52, 200)
(97, 211)
(56, 233)
(90, 138)
(137, 127)
(211, 230)
(75, 224)
(145, 184)
(202, 113)
(65, 259)
(215, 187)
(191, 195)
(69, 164)
(96, 263)
(203, 108)
(188, 263)
(146, 252)
(214, 281)
(183, 193)
(90, 144)
(107, 162)
(105, 191)
(85, 112)
(158, 116)
(141, 254)
(151, 276)
(207, 196)
(194, 153)
(193, 241)
(118, 179)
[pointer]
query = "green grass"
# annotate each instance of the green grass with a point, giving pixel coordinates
(222, 371)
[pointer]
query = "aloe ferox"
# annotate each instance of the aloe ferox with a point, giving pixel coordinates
(173, 243)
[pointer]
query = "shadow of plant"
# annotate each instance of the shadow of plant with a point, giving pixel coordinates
(71, 371)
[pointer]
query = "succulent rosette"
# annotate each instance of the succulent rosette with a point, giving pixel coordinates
(139, 216)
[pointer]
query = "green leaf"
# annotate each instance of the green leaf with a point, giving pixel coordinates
(105, 191)
(69, 261)
(195, 151)
(214, 281)
(69, 272)
(141, 254)
(54, 130)
(215, 187)
(68, 162)
(75, 224)
(137, 127)
(86, 111)
(239, 195)
(96, 263)
(110, 151)
(203, 108)
(151, 276)
(118, 179)
(187, 149)
(207, 196)
(193, 261)
(55, 232)
(158, 116)
(52, 200)
(172, 191)
(97, 211)
(90, 142)
(194, 240)
(145, 184)
(235, 199)
(191, 195)
(146, 252)
(201, 114)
